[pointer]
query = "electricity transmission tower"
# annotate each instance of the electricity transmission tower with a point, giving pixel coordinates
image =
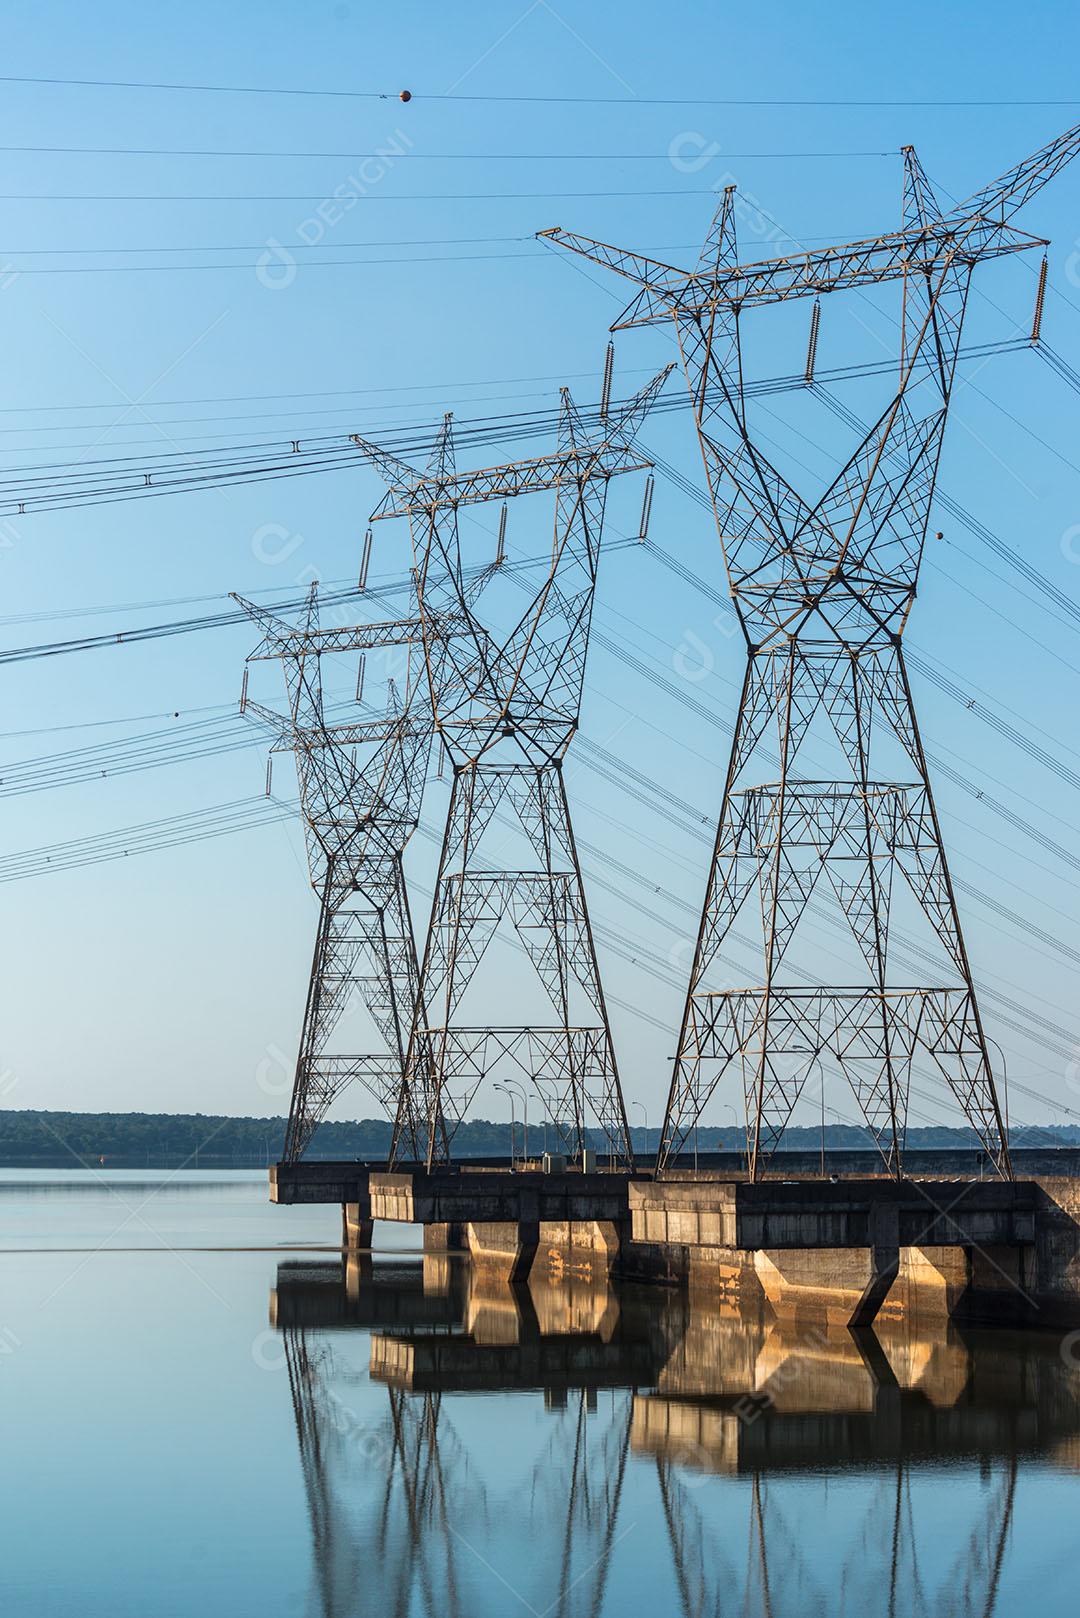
(822, 590)
(358, 818)
(506, 695)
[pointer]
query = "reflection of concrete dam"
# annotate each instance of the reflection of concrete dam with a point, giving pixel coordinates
(355, 1292)
(461, 1365)
(736, 1398)
(444, 1326)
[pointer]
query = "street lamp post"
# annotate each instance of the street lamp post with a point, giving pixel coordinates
(513, 1120)
(735, 1125)
(821, 1075)
(1004, 1081)
(519, 1089)
(645, 1115)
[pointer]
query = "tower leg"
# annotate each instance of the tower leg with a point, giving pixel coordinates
(857, 837)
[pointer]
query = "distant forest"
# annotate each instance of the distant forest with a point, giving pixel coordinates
(135, 1139)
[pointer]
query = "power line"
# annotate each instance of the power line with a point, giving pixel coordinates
(300, 246)
(59, 485)
(373, 590)
(246, 264)
(53, 614)
(765, 385)
(430, 157)
(218, 820)
(1009, 915)
(183, 626)
(257, 247)
(124, 719)
(379, 196)
(322, 393)
(443, 98)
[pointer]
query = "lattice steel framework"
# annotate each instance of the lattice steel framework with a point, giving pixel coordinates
(361, 782)
(506, 706)
(822, 591)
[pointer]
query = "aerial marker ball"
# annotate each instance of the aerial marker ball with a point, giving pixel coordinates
(406, 95)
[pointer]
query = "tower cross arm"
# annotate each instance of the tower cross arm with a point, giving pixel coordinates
(853, 264)
(270, 718)
(356, 733)
(1001, 199)
(293, 736)
(286, 641)
(802, 275)
(580, 458)
(504, 482)
(649, 273)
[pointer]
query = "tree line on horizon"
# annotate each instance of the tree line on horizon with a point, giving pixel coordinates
(199, 1139)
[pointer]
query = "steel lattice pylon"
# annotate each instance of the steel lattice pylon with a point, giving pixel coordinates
(505, 706)
(822, 592)
(358, 818)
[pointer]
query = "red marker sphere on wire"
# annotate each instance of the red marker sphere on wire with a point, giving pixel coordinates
(405, 95)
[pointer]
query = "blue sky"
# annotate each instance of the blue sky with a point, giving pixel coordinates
(171, 980)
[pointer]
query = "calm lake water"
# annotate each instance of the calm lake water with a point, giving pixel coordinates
(206, 1412)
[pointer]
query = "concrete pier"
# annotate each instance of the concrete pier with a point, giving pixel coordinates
(357, 1225)
(446, 1236)
(836, 1249)
(508, 1218)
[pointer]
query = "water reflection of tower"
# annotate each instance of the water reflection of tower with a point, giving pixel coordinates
(849, 1415)
(573, 1340)
(402, 1546)
(431, 1530)
(583, 1479)
(778, 1578)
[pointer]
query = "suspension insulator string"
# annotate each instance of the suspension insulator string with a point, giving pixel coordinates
(811, 349)
(646, 509)
(609, 372)
(1040, 299)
